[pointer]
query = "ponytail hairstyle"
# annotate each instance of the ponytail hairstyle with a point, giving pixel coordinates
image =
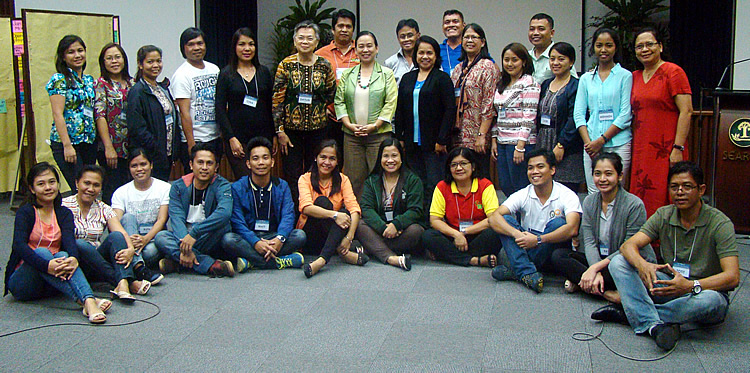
(141, 56)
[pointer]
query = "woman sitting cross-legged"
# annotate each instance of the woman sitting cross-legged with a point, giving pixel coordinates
(113, 259)
(330, 212)
(43, 260)
(461, 203)
(391, 208)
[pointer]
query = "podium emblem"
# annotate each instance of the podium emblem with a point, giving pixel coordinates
(739, 132)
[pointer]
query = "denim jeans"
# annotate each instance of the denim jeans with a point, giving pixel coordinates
(99, 262)
(236, 246)
(26, 283)
(525, 262)
(169, 246)
(511, 177)
(644, 311)
(149, 254)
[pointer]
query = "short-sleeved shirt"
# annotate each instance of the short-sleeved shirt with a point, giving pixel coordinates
(535, 215)
(90, 227)
(400, 65)
(710, 239)
(198, 85)
(79, 100)
(449, 56)
(308, 195)
(339, 61)
(111, 104)
(143, 204)
(454, 207)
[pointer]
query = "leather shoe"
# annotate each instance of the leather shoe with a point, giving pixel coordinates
(611, 313)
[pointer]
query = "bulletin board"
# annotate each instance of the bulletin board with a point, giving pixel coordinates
(8, 108)
(96, 30)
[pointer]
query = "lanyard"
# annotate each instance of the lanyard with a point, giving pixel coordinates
(255, 202)
(255, 79)
(455, 198)
(448, 55)
(343, 55)
(691, 246)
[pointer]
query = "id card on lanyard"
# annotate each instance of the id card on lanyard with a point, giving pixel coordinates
(683, 268)
(464, 224)
(262, 224)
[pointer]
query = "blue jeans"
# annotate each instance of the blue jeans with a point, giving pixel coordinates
(644, 311)
(99, 262)
(26, 283)
(150, 253)
(525, 262)
(169, 246)
(237, 246)
(511, 177)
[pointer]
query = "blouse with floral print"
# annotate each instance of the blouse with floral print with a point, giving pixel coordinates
(111, 104)
(78, 100)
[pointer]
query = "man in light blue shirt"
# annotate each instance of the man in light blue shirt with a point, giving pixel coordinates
(450, 48)
(407, 32)
(541, 31)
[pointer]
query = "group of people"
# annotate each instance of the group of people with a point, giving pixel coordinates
(384, 160)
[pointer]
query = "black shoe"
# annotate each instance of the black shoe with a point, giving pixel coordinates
(144, 273)
(666, 335)
(611, 313)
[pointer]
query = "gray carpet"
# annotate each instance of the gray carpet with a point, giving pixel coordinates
(374, 318)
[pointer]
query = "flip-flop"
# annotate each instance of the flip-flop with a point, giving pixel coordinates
(123, 296)
(404, 262)
(145, 286)
(490, 261)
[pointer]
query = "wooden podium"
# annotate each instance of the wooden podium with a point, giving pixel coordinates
(730, 174)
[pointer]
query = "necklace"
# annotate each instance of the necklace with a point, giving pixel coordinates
(359, 81)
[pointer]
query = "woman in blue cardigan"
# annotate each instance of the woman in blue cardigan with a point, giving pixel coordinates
(43, 260)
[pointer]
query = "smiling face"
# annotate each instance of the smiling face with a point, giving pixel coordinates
(89, 186)
(606, 178)
(461, 169)
(540, 33)
(426, 56)
(453, 25)
(114, 62)
(472, 43)
(605, 48)
(684, 192)
(407, 37)
(539, 171)
(305, 41)
(140, 169)
(559, 63)
(647, 49)
(245, 49)
(512, 64)
(260, 162)
(204, 166)
(151, 65)
(195, 49)
(326, 161)
(390, 160)
(45, 187)
(75, 56)
(343, 30)
(366, 49)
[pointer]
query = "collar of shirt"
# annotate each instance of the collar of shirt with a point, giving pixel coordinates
(474, 186)
(544, 54)
(555, 194)
(702, 220)
(254, 186)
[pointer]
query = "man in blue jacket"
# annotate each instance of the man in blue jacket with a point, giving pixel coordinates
(263, 216)
(200, 205)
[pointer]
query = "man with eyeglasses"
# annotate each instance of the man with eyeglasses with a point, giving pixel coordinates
(699, 248)
(407, 32)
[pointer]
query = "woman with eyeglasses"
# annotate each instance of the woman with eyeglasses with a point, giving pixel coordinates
(662, 106)
(461, 203)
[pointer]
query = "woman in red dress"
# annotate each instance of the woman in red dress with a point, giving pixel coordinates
(662, 107)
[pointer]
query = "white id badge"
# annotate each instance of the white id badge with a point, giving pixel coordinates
(250, 101)
(389, 216)
(339, 71)
(88, 112)
(144, 229)
(123, 116)
(457, 92)
(546, 120)
(682, 268)
(603, 249)
(262, 225)
(463, 224)
(304, 98)
(606, 115)
(501, 114)
(169, 119)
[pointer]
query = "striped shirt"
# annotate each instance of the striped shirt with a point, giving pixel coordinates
(90, 227)
(516, 110)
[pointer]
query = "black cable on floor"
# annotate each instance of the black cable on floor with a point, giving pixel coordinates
(158, 311)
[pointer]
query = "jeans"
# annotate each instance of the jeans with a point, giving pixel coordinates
(511, 177)
(361, 157)
(430, 167)
(149, 253)
(236, 246)
(99, 262)
(623, 151)
(525, 262)
(644, 311)
(26, 283)
(319, 242)
(115, 177)
(444, 249)
(210, 244)
(572, 264)
(382, 248)
(85, 155)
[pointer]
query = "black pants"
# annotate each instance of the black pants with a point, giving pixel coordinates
(442, 246)
(300, 158)
(85, 155)
(572, 264)
(184, 153)
(323, 235)
(115, 177)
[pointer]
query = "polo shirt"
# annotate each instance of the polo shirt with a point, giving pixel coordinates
(339, 61)
(534, 214)
(542, 71)
(449, 56)
(710, 239)
(450, 204)
(263, 207)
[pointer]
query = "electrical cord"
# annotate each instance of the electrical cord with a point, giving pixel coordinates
(158, 311)
(585, 337)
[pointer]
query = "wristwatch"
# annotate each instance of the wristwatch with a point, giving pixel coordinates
(280, 129)
(538, 239)
(281, 238)
(697, 287)
(679, 147)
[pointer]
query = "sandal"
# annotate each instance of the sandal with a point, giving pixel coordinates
(143, 289)
(404, 262)
(123, 296)
(362, 259)
(489, 261)
(97, 318)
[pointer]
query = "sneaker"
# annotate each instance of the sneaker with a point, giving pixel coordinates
(144, 273)
(534, 281)
(571, 287)
(243, 265)
(293, 260)
(503, 273)
(221, 268)
(666, 335)
(168, 266)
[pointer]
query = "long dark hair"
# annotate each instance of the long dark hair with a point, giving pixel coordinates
(60, 65)
(378, 169)
(615, 38)
(336, 173)
(233, 60)
(141, 56)
(125, 74)
(528, 66)
(37, 170)
(470, 156)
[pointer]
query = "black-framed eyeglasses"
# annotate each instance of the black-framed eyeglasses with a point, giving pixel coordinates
(687, 188)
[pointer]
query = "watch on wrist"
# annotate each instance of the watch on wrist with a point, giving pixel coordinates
(280, 129)
(281, 238)
(679, 147)
(538, 239)
(335, 215)
(697, 287)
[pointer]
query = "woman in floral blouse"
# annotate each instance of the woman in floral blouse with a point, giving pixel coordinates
(71, 96)
(109, 110)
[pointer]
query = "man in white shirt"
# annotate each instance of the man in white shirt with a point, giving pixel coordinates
(550, 214)
(407, 32)
(541, 31)
(193, 87)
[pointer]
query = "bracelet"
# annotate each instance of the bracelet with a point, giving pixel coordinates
(520, 150)
(280, 129)
(679, 147)
(605, 138)
(560, 146)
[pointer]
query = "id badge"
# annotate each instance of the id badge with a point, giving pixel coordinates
(463, 224)
(169, 119)
(123, 116)
(250, 101)
(304, 98)
(88, 112)
(456, 92)
(501, 114)
(546, 120)
(603, 250)
(682, 268)
(339, 71)
(262, 225)
(389, 216)
(606, 115)
(144, 229)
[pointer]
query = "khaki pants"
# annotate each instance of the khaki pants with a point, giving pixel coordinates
(360, 157)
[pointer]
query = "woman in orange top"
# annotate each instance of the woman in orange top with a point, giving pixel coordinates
(328, 204)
